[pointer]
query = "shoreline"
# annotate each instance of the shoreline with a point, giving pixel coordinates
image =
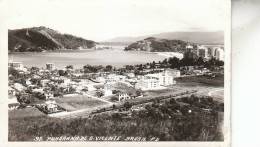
(170, 54)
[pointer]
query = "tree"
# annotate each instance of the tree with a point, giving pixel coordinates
(127, 105)
(39, 95)
(114, 106)
(200, 61)
(87, 68)
(129, 67)
(174, 62)
(99, 93)
(109, 68)
(62, 73)
(35, 81)
(152, 65)
(34, 69)
(91, 69)
(23, 98)
(165, 61)
(189, 59)
(140, 67)
(69, 67)
(138, 92)
(14, 72)
(71, 90)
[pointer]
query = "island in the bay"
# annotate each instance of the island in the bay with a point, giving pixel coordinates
(179, 98)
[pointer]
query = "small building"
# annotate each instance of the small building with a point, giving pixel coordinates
(50, 66)
(12, 102)
(123, 96)
(38, 90)
(51, 106)
(130, 75)
(16, 65)
(101, 79)
(148, 83)
(115, 78)
(189, 46)
(49, 96)
(197, 72)
(166, 77)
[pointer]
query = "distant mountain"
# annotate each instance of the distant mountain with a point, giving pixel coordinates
(43, 38)
(196, 37)
(152, 44)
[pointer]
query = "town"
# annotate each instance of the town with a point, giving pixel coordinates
(53, 90)
(175, 89)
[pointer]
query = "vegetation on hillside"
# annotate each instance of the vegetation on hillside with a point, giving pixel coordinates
(189, 119)
(42, 38)
(158, 45)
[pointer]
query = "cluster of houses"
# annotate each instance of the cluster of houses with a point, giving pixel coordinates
(47, 83)
(158, 80)
(129, 83)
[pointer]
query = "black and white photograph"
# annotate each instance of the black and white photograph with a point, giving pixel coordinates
(118, 70)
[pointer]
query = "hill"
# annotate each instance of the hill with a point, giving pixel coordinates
(43, 38)
(196, 37)
(158, 45)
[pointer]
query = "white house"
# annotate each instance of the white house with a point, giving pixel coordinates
(12, 102)
(36, 90)
(51, 105)
(101, 79)
(49, 96)
(173, 72)
(115, 78)
(148, 83)
(107, 89)
(189, 47)
(123, 96)
(130, 75)
(166, 77)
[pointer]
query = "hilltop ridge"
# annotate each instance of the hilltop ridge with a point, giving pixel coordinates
(153, 44)
(43, 38)
(216, 37)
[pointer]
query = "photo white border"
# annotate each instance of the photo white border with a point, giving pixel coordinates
(4, 95)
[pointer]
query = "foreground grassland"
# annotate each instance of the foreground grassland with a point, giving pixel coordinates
(199, 119)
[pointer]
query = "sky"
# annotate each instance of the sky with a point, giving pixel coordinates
(100, 20)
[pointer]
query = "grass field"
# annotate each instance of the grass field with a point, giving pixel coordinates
(218, 80)
(26, 112)
(77, 102)
(162, 92)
